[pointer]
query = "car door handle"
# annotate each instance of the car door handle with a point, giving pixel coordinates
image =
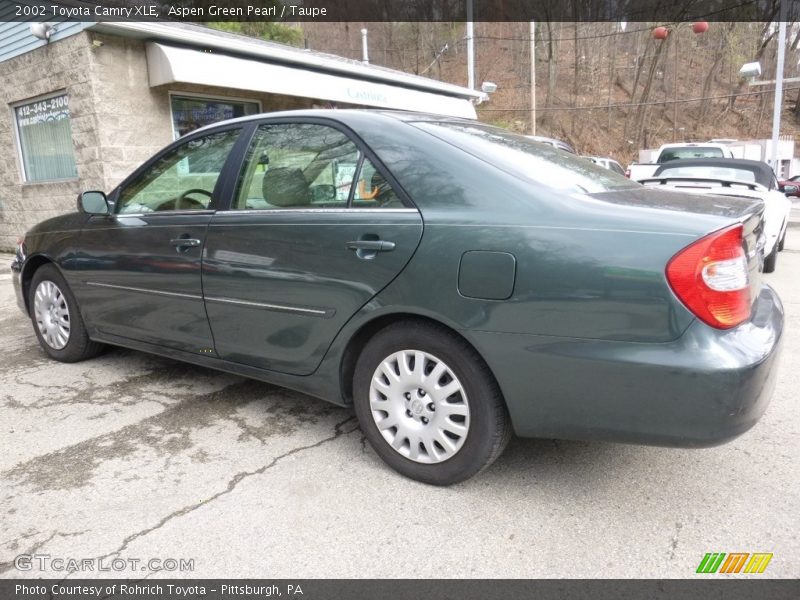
(371, 245)
(181, 244)
(185, 242)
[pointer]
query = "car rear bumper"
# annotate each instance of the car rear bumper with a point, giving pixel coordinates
(702, 389)
(16, 281)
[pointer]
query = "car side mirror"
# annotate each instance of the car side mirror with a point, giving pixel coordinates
(93, 203)
(789, 189)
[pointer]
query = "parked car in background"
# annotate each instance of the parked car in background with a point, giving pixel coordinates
(792, 182)
(547, 296)
(607, 163)
(560, 144)
(682, 151)
(734, 177)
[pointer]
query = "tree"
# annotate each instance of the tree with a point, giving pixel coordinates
(265, 30)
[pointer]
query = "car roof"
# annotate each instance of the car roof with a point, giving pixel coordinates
(342, 114)
(761, 170)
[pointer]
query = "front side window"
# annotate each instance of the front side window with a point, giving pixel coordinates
(45, 139)
(189, 113)
(182, 179)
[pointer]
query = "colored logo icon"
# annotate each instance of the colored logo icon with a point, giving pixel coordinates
(735, 562)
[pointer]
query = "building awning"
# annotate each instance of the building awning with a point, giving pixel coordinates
(170, 64)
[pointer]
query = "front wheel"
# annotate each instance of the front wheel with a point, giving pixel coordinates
(56, 320)
(428, 404)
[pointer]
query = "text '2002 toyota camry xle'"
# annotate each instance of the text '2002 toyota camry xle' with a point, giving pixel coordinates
(452, 281)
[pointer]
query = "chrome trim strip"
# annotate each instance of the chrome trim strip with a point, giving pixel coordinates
(143, 290)
(278, 211)
(276, 307)
(166, 213)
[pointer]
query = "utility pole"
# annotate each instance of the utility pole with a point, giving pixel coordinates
(675, 90)
(533, 77)
(470, 48)
(776, 109)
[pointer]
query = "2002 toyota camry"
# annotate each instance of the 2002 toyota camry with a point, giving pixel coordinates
(450, 280)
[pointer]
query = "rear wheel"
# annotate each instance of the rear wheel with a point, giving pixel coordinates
(428, 404)
(56, 320)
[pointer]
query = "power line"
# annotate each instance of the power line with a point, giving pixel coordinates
(634, 104)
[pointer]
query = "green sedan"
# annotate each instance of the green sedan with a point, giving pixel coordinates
(454, 283)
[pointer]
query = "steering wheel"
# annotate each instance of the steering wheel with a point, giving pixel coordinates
(190, 203)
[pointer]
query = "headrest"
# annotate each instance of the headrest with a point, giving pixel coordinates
(285, 186)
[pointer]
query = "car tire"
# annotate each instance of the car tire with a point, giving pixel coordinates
(56, 319)
(771, 260)
(445, 418)
(782, 241)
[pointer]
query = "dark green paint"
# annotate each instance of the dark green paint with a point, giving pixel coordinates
(588, 343)
(487, 275)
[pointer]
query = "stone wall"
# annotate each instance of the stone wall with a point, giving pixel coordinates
(62, 65)
(117, 120)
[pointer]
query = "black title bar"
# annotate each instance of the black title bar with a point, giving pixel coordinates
(660, 11)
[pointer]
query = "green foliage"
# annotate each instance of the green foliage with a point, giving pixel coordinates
(265, 30)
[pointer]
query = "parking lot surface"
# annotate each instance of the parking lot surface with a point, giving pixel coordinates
(138, 457)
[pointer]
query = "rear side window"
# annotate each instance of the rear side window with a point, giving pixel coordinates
(309, 166)
(297, 165)
(527, 159)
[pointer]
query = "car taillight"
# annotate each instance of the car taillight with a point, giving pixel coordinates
(710, 277)
(628, 173)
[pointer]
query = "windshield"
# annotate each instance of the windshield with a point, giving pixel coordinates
(726, 173)
(690, 152)
(528, 159)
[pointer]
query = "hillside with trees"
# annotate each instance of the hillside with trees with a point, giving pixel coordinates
(607, 88)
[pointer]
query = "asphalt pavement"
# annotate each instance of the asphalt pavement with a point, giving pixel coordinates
(138, 457)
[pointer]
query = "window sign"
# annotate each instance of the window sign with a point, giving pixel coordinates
(189, 114)
(45, 139)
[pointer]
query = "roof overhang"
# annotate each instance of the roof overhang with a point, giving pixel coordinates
(170, 64)
(209, 39)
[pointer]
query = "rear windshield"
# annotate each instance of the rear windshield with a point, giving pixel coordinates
(727, 173)
(692, 152)
(528, 159)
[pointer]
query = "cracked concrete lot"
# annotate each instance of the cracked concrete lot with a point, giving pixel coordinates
(134, 456)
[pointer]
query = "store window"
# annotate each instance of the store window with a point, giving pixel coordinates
(190, 113)
(44, 133)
